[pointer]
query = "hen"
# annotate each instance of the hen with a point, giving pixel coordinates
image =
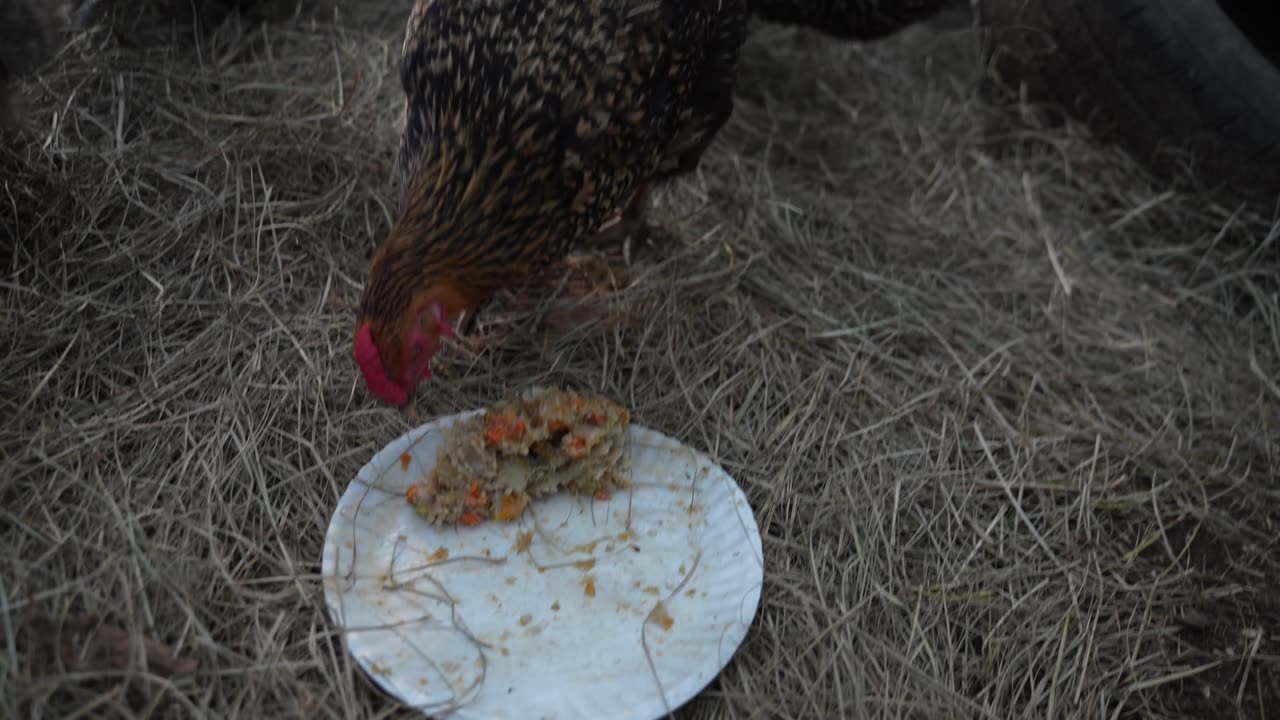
(526, 125)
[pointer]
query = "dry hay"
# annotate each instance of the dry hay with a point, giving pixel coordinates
(1006, 411)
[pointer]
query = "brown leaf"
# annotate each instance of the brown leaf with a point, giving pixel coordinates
(84, 644)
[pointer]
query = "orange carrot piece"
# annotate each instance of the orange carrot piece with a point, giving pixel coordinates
(470, 519)
(405, 459)
(576, 445)
(602, 496)
(510, 508)
(504, 426)
(411, 494)
(494, 434)
(475, 497)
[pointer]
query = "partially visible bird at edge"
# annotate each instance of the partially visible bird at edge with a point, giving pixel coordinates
(527, 125)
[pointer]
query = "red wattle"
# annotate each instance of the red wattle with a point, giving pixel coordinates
(375, 375)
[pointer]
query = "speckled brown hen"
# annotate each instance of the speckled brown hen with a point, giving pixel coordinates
(527, 124)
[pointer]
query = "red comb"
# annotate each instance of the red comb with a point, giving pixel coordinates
(375, 375)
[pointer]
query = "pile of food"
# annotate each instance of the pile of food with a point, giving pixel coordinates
(525, 447)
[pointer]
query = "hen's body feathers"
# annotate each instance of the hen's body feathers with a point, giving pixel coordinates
(527, 124)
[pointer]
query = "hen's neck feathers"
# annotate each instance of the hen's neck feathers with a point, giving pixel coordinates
(471, 221)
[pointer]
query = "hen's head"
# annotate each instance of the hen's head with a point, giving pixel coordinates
(393, 357)
(409, 302)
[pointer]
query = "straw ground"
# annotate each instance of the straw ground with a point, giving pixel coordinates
(1007, 411)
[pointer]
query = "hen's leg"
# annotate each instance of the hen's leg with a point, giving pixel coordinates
(630, 226)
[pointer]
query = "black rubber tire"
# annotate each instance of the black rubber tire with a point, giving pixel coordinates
(857, 20)
(1175, 82)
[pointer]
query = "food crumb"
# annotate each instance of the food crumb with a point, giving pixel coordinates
(511, 580)
(505, 652)
(381, 669)
(585, 564)
(525, 620)
(556, 606)
(523, 541)
(691, 592)
(661, 617)
(405, 459)
(652, 589)
(422, 681)
(441, 553)
(589, 587)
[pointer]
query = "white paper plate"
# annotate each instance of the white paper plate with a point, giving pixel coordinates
(496, 632)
